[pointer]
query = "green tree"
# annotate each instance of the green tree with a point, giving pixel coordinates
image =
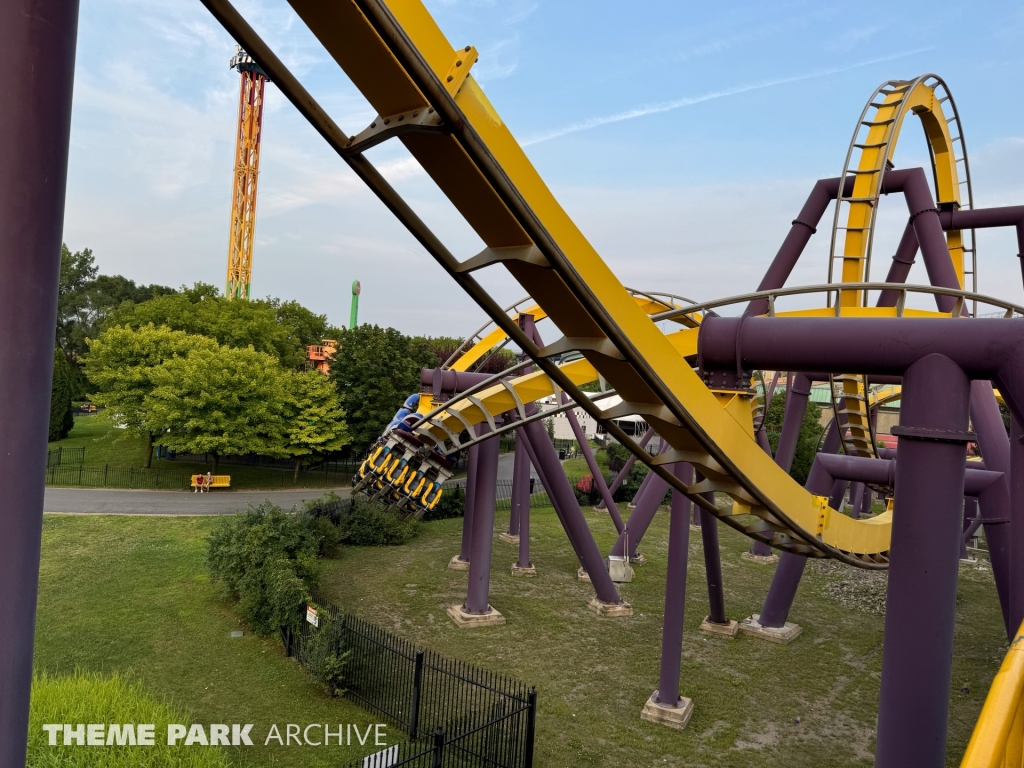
(62, 419)
(375, 370)
(219, 401)
(281, 329)
(807, 442)
(120, 364)
(314, 418)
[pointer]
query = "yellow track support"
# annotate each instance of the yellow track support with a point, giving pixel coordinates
(998, 738)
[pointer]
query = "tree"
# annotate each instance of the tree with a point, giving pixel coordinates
(270, 326)
(120, 364)
(375, 370)
(219, 401)
(807, 442)
(62, 419)
(314, 418)
(77, 271)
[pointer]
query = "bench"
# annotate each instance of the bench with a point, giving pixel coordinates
(219, 481)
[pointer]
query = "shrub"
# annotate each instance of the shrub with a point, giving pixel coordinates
(452, 504)
(93, 698)
(267, 561)
(370, 525)
(62, 418)
(325, 655)
(627, 490)
(618, 455)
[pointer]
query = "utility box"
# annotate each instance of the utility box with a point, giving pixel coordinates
(619, 569)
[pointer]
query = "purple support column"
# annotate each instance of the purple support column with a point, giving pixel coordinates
(544, 458)
(648, 479)
(917, 653)
(970, 512)
(902, 261)
(1016, 525)
(523, 502)
(520, 487)
(675, 598)
(479, 586)
(642, 516)
(995, 448)
(838, 494)
(865, 503)
(624, 472)
(472, 462)
(856, 499)
(595, 471)
(37, 54)
(712, 561)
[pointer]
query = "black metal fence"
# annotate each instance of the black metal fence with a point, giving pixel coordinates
(57, 457)
(454, 713)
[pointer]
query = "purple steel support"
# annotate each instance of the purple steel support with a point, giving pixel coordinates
(37, 52)
(595, 471)
(544, 458)
(1016, 523)
(970, 513)
(856, 498)
(624, 472)
(642, 516)
(796, 406)
(865, 503)
(824, 192)
(520, 487)
(982, 218)
(479, 585)
(917, 652)
(902, 261)
(838, 493)
(648, 478)
(712, 561)
(472, 462)
(675, 596)
(995, 448)
(523, 502)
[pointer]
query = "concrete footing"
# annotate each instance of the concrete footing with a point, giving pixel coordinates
(760, 559)
(729, 630)
(671, 717)
(782, 635)
(510, 538)
(458, 564)
(694, 527)
(582, 575)
(638, 560)
(465, 620)
(519, 570)
(602, 608)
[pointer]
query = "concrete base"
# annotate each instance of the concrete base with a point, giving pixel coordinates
(602, 608)
(458, 564)
(671, 717)
(694, 527)
(465, 620)
(511, 539)
(583, 575)
(729, 630)
(761, 559)
(519, 570)
(638, 560)
(782, 635)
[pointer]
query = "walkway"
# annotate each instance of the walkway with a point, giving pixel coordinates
(104, 501)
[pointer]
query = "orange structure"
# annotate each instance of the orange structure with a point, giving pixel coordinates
(247, 168)
(320, 356)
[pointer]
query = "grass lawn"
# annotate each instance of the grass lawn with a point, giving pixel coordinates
(107, 446)
(132, 593)
(593, 675)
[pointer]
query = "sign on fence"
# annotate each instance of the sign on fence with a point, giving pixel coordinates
(383, 759)
(311, 616)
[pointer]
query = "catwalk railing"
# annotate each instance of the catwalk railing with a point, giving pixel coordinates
(455, 714)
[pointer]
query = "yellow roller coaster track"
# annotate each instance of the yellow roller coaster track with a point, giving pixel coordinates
(868, 156)
(426, 97)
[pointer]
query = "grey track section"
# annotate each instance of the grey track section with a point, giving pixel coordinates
(103, 501)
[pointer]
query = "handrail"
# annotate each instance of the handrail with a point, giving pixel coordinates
(999, 733)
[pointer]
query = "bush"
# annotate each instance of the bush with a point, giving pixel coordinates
(94, 698)
(587, 492)
(371, 525)
(618, 455)
(325, 655)
(267, 561)
(452, 504)
(62, 417)
(627, 490)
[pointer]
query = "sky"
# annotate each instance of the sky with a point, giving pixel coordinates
(682, 138)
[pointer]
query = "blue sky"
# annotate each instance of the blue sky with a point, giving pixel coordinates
(682, 138)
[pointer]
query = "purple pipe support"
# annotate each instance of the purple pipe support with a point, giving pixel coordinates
(37, 52)
(856, 499)
(838, 493)
(520, 487)
(971, 524)
(865, 504)
(472, 462)
(1016, 524)
(624, 472)
(544, 458)
(648, 479)
(675, 597)
(823, 193)
(796, 407)
(642, 516)
(983, 218)
(712, 560)
(445, 384)
(523, 503)
(479, 586)
(902, 261)
(595, 471)
(984, 348)
(995, 448)
(917, 652)
(760, 548)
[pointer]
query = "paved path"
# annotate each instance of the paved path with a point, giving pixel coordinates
(103, 501)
